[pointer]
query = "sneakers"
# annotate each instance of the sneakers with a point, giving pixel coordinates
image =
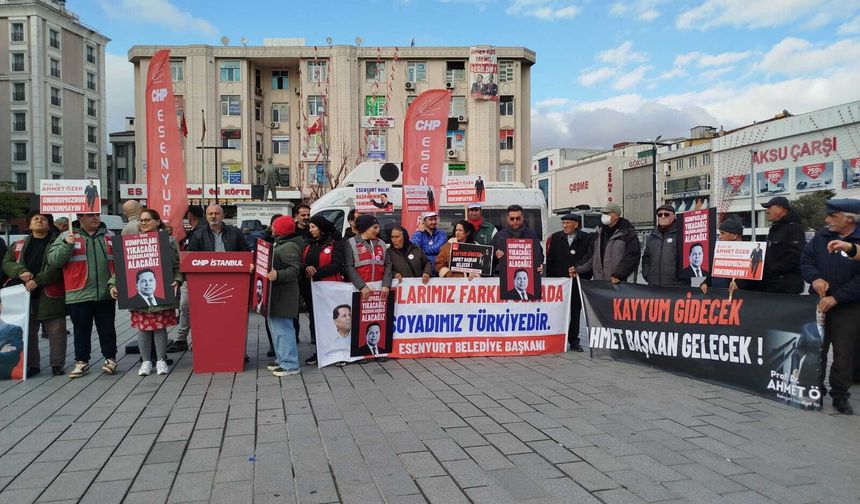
(145, 369)
(81, 368)
(109, 366)
(177, 346)
(273, 366)
(340, 363)
(279, 371)
(843, 406)
(161, 367)
(312, 360)
(576, 348)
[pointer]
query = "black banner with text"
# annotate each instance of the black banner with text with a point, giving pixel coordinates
(766, 344)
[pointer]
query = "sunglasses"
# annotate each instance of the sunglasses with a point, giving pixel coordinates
(515, 219)
(664, 215)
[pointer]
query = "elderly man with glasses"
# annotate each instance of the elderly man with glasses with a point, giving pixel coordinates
(661, 260)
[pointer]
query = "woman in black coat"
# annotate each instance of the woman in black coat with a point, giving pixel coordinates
(407, 259)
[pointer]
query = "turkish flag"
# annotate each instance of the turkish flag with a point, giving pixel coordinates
(182, 126)
(316, 127)
(165, 176)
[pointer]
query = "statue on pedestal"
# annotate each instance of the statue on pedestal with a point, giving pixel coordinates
(269, 178)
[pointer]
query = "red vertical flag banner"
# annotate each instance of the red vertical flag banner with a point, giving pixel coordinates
(165, 176)
(424, 133)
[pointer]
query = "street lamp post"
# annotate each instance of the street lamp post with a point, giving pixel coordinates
(216, 148)
(654, 143)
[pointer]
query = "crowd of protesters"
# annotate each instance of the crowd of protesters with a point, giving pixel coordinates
(71, 272)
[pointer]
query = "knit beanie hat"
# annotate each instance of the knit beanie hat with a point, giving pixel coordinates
(364, 222)
(321, 222)
(284, 226)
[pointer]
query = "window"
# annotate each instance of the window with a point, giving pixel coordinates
(17, 33)
(19, 151)
(506, 105)
(56, 176)
(543, 165)
(122, 174)
(280, 112)
(19, 122)
(258, 79)
(679, 165)
(506, 139)
(706, 158)
(409, 100)
(374, 71)
(55, 68)
(455, 139)
(416, 71)
(455, 71)
(91, 81)
(315, 141)
(91, 107)
(91, 55)
(258, 145)
(54, 38)
(317, 71)
(458, 106)
(280, 79)
(316, 105)
(230, 105)
(692, 161)
(120, 151)
(258, 111)
(92, 134)
(56, 97)
(56, 125)
(92, 161)
(17, 62)
(281, 145)
(506, 71)
(19, 91)
(231, 138)
(375, 106)
(230, 72)
(56, 154)
(20, 181)
(506, 172)
(177, 71)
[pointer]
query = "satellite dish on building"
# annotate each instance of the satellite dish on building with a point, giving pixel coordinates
(329, 40)
(358, 41)
(225, 41)
(244, 42)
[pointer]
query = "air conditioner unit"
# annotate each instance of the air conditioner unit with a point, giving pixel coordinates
(410, 86)
(462, 119)
(452, 154)
(449, 85)
(259, 91)
(274, 125)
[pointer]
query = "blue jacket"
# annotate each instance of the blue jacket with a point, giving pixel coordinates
(430, 244)
(841, 272)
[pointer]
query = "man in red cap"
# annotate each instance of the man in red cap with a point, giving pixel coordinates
(284, 304)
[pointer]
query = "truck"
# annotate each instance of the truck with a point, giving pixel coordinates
(336, 204)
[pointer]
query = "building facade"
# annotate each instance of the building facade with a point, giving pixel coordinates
(686, 169)
(288, 101)
(788, 156)
(545, 162)
(52, 81)
(122, 170)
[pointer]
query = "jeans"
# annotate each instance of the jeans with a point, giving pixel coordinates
(284, 337)
(184, 314)
(83, 315)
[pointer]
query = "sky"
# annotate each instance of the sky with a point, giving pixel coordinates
(606, 71)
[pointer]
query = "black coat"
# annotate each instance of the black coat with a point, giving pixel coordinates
(203, 240)
(311, 257)
(785, 243)
(417, 266)
(560, 256)
(841, 272)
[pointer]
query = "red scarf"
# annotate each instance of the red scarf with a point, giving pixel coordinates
(476, 223)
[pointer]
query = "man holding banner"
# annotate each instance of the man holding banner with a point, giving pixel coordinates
(86, 255)
(614, 250)
(835, 279)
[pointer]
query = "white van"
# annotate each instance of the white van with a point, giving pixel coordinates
(336, 204)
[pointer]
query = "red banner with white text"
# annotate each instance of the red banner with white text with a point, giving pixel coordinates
(424, 131)
(165, 176)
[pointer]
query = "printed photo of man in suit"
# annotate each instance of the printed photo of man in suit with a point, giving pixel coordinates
(147, 284)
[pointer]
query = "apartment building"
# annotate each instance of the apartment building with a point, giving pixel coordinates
(319, 111)
(52, 80)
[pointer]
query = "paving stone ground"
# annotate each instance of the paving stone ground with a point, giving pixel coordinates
(546, 429)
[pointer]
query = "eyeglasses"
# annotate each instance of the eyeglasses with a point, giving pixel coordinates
(664, 215)
(515, 219)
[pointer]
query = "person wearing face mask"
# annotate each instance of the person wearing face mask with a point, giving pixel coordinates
(660, 261)
(615, 249)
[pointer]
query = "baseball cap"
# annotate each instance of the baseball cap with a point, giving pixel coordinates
(778, 201)
(427, 215)
(473, 205)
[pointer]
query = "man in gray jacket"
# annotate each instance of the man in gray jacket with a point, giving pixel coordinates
(615, 250)
(660, 261)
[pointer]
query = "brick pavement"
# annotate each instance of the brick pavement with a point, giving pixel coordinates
(547, 429)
